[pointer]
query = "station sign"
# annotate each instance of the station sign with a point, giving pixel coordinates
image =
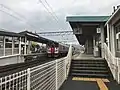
(77, 31)
(98, 30)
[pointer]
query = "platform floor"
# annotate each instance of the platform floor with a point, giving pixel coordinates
(84, 56)
(70, 84)
(88, 84)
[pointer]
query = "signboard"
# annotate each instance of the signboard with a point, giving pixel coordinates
(77, 31)
(98, 30)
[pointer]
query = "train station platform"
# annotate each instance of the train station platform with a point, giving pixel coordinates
(85, 56)
(89, 84)
(78, 80)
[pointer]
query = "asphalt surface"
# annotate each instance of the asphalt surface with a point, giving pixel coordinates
(70, 84)
(112, 85)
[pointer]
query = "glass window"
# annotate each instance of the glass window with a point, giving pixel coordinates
(118, 38)
(8, 46)
(1, 46)
(16, 45)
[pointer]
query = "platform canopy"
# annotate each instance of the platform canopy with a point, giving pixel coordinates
(84, 26)
(35, 37)
(10, 34)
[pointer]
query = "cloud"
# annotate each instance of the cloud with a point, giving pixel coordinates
(36, 17)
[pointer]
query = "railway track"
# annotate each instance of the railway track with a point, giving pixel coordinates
(10, 69)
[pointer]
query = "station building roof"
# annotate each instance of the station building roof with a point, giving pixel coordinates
(10, 34)
(116, 13)
(35, 37)
(87, 18)
(87, 23)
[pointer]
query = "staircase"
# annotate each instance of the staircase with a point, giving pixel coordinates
(90, 68)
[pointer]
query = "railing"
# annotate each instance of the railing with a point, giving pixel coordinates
(48, 76)
(113, 62)
(16, 81)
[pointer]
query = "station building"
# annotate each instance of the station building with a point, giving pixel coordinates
(93, 31)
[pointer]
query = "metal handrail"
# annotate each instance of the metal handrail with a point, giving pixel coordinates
(113, 62)
(48, 76)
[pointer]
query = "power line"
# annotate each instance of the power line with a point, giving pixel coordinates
(51, 8)
(22, 18)
(12, 11)
(48, 10)
(58, 33)
(55, 32)
(10, 15)
(52, 13)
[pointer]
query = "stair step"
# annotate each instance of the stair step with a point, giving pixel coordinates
(89, 71)
(82, 62)
(90, 68)
(89, 75)
(88, 59)
(100, 60)
(87, 64)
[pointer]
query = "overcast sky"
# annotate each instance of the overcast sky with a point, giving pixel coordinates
(35, 17)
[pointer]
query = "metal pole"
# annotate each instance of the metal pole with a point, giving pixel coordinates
(65, 70)
(25, 46)
(12, 45)
(4, 46)
(56, 76)
(108, 36)
(102, 39)
(118, 71)
(28, 79)
(20, 46)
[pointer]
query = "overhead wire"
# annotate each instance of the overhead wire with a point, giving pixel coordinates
(48, 10)
(18, 17)
(51, 9)
(52, 13)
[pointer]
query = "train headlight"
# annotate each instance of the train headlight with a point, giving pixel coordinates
(56, 50)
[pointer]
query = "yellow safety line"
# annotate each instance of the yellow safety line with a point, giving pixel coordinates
(100, 81)
(89, 79)
(105, 80)
(101, 85)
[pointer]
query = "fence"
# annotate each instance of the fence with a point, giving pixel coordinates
(48, 76)
(113, 63)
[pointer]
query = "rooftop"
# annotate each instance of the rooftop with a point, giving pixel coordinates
(87, 18)
(10, 34)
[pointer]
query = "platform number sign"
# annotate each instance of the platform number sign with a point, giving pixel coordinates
(98, 30)
(77, 31)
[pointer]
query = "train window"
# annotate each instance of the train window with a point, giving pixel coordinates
(63, 47)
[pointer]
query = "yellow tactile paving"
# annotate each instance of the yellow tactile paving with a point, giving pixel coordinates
(100, 81)
(89, 79)
(105, 80)
(101, 84)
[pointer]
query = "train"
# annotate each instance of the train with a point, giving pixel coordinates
(56, 49)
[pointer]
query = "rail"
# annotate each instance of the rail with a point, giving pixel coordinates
(113, 62)
(48, 76)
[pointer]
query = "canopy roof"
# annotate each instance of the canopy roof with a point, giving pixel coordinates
(87, 18)
(35, 37)
(10, 34)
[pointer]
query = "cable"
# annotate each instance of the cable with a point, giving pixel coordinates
(10, 15)
(51, 8)
(48, 10)
(22, 18)
(12, 11)
(51, 12)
